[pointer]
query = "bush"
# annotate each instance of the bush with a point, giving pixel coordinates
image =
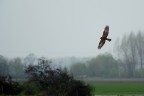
(9, 87)
(29, 88)
(55, 81)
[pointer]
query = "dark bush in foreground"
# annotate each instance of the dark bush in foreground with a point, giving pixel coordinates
(55, 81)
(9, 87)
(29, 88)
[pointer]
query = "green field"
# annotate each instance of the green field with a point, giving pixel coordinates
(105, 88)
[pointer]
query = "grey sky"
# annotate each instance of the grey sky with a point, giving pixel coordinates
(59, 28)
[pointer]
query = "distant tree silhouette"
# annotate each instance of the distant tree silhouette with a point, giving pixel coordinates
(131, 52)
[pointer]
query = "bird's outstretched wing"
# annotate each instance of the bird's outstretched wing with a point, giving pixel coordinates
(101, 43)
(105, 32)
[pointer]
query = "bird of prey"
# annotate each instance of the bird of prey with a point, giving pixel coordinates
(104, 37)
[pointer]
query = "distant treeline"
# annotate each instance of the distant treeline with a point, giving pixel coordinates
(15, 67)
(129, 62)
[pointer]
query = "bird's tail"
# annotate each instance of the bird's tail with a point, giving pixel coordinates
(108, 39)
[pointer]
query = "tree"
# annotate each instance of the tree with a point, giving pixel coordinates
(55, 81)
(30, 59)
(79, 70)
(4, 70)
(140, 47)
(9, 87)
(103, 66)
(16, 68)
(131, 49)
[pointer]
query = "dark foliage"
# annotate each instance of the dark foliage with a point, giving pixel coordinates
(55, 81)
(29, 88)
(9, 87)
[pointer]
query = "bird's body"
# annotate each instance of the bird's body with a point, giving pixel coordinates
(104, 37)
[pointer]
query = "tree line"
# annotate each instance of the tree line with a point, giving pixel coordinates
(129, 62)
(41, 77)
(15, 67)
(44, 80)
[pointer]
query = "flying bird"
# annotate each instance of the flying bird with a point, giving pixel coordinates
(104, 37)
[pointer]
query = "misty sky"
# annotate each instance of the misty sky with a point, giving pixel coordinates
(59, 28)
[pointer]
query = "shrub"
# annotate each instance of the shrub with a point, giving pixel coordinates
(55, 81)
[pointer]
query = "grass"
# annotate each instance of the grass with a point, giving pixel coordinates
(117, 88)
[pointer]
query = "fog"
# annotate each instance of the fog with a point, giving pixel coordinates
(64, 28)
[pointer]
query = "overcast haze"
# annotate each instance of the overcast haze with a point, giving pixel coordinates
(59, 28)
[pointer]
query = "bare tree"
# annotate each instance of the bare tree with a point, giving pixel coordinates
(140, 47)
(124, 50)
(132, 52)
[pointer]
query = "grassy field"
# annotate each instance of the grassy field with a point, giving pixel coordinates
(117, 88)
